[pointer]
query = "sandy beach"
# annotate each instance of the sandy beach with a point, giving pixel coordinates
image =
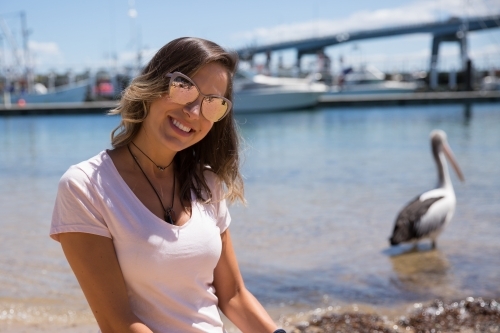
(468, 315)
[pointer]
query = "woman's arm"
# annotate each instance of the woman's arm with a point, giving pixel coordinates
(93, 260)
(235, 301)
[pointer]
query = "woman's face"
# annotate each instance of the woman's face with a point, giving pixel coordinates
(175, 126)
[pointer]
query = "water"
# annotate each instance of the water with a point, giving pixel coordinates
(323, 189)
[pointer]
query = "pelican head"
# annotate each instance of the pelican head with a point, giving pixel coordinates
(439, 143)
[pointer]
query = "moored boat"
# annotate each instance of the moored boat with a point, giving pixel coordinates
(259, 93)
(370, 80)
(76, 92)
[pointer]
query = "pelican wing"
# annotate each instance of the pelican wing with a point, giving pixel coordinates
(435, 217)
(408, 223)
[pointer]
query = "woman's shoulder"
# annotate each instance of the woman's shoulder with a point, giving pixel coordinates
(210, 175)
(85, 171)
(217, 201)
(212, 179)
(214, 183)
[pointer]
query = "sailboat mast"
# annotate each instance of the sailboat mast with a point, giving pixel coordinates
(27, 59)
(134, 34)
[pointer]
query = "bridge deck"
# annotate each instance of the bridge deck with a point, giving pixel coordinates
(313, 44)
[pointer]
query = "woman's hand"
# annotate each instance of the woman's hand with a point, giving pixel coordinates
(235, 301)
(93, 260)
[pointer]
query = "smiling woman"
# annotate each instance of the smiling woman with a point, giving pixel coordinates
(144, 226)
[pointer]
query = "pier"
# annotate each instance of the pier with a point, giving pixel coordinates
(331, 100)
(415, 98)
(59, 108)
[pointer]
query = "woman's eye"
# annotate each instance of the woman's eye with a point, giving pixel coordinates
(182, 83)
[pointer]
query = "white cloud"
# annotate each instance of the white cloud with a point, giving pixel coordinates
(126, 59)
(130, 57)
(449, 58)
(40, 53)
(413, 13)
(47, 56)
(43, 53)
(487, 53)
(45, 48)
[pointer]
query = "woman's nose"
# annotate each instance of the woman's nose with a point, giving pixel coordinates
(193, 109)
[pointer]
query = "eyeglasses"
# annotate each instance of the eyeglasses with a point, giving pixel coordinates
(182, 90)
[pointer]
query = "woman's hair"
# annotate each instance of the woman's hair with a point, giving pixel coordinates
(218, 150)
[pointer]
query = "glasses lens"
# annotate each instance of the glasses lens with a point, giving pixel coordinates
(183, 91)
(214, 108)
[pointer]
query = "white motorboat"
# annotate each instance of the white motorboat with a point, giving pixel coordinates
(490, 83)
(370, 80)
(258, 93)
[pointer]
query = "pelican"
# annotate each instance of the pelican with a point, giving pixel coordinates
(427, 215)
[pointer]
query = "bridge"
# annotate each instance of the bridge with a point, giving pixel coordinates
(453, 30)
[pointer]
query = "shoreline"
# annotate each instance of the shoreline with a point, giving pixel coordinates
(38, 328)
(472, 314)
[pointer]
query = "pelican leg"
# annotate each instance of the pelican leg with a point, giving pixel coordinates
(433, 244)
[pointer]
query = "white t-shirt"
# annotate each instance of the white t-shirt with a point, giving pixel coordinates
(168, 269)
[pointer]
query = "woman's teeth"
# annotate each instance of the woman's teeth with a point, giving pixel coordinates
(180, 126)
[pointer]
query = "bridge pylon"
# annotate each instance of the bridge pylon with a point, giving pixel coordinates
(459, 37)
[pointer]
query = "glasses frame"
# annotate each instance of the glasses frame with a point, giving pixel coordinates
(174, 75)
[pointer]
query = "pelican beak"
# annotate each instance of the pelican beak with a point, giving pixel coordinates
(449, 155)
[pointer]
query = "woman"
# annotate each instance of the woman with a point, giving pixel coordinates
(144, 226)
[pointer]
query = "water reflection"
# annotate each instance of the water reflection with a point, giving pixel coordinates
(467, 113)
(421, 270)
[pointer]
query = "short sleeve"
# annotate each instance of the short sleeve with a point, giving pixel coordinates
(222, 216)
(75, 209)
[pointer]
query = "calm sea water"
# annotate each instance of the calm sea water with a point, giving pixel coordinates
(323, 189)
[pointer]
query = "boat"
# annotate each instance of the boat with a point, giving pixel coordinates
(71, 93)
(260, 93)
(490, 83)
(370, 80)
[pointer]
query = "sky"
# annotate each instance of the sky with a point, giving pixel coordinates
(103, 34)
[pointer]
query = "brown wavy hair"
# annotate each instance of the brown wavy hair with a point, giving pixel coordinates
(218, 151)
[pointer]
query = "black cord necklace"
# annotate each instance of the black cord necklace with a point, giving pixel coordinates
(149, 158)
(169, 213)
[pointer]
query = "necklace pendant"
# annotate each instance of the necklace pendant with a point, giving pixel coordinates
(161, 168)
(170, 216)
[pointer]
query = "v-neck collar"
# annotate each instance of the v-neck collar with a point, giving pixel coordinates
(108, 162)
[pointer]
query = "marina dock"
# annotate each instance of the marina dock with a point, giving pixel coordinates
(331, 100)
(446, 97)
(59, 108)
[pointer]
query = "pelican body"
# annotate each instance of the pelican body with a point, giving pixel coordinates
(426, 216)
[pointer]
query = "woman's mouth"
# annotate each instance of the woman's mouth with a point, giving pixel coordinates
(180, 126)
